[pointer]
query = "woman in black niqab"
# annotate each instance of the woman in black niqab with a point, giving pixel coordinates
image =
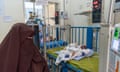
(19, 54)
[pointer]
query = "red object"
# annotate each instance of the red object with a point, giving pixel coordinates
(95, 2)
(117, 67)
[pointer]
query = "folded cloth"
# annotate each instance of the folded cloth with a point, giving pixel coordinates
(64, 55)
(78, 57)
(84, 53)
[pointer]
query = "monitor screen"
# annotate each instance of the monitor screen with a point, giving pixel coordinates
(117, 1)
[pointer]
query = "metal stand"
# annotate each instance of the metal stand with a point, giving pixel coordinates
(44, 41)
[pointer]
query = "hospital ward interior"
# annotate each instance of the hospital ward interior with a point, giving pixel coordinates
(59, 35)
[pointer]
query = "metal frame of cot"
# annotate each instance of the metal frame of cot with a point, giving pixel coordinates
(59, 32)
(77, 34)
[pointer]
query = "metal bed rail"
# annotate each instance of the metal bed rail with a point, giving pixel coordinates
(88, 36)
(58, 32)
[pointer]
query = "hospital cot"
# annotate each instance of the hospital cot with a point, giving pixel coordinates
(88, 36)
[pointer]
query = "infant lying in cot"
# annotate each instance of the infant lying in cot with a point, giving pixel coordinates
(73, 51)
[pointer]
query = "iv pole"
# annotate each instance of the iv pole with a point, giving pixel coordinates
(64, 8)
(44, 29)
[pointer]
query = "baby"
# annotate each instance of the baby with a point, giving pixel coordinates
(73, 51)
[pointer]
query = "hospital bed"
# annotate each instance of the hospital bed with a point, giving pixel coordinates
(89, 64)
(88, 36)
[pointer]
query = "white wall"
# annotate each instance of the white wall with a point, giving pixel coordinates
(72, 7)
(57, 1)
(13, 11)
(76, 6)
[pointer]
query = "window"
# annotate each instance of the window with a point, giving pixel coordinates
(30, 7)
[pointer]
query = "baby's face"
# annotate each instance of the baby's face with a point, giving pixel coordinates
(83, 47)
